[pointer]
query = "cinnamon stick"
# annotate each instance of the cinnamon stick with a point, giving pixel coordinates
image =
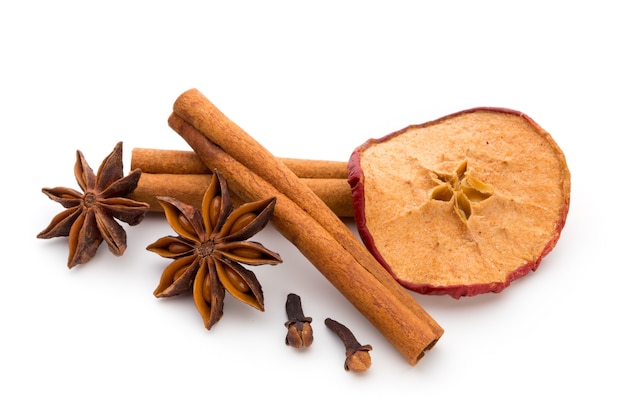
(166, 161)
(334, 192)
(197, 110)
(320, 235)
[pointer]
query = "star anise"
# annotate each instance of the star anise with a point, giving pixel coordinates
(211, 246)
(89, 216)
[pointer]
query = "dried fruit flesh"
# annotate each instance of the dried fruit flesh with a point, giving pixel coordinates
(462, 205)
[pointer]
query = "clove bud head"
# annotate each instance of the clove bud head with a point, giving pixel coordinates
(359, 360)
(299, 334)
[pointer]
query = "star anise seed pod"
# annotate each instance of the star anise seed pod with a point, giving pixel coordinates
(211, 246)
(89, 216)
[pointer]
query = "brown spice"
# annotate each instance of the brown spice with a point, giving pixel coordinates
(165, 161)
(358, 357)
(309, 224)
(334, 192)
(211, 246)
(299, 330)
(89, 216)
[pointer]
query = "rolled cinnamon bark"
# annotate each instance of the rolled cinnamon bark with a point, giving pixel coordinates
(188, 188)
(166, 161)
(320, 235)
(158, 161)
(334, 192)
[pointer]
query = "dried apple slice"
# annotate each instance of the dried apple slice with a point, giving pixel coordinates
(462, 205)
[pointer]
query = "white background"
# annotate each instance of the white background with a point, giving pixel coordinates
(310, 80)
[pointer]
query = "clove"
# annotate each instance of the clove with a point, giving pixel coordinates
(299, 330)
(357, 356)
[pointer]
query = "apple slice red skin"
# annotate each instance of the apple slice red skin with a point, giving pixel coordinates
(356, 178)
